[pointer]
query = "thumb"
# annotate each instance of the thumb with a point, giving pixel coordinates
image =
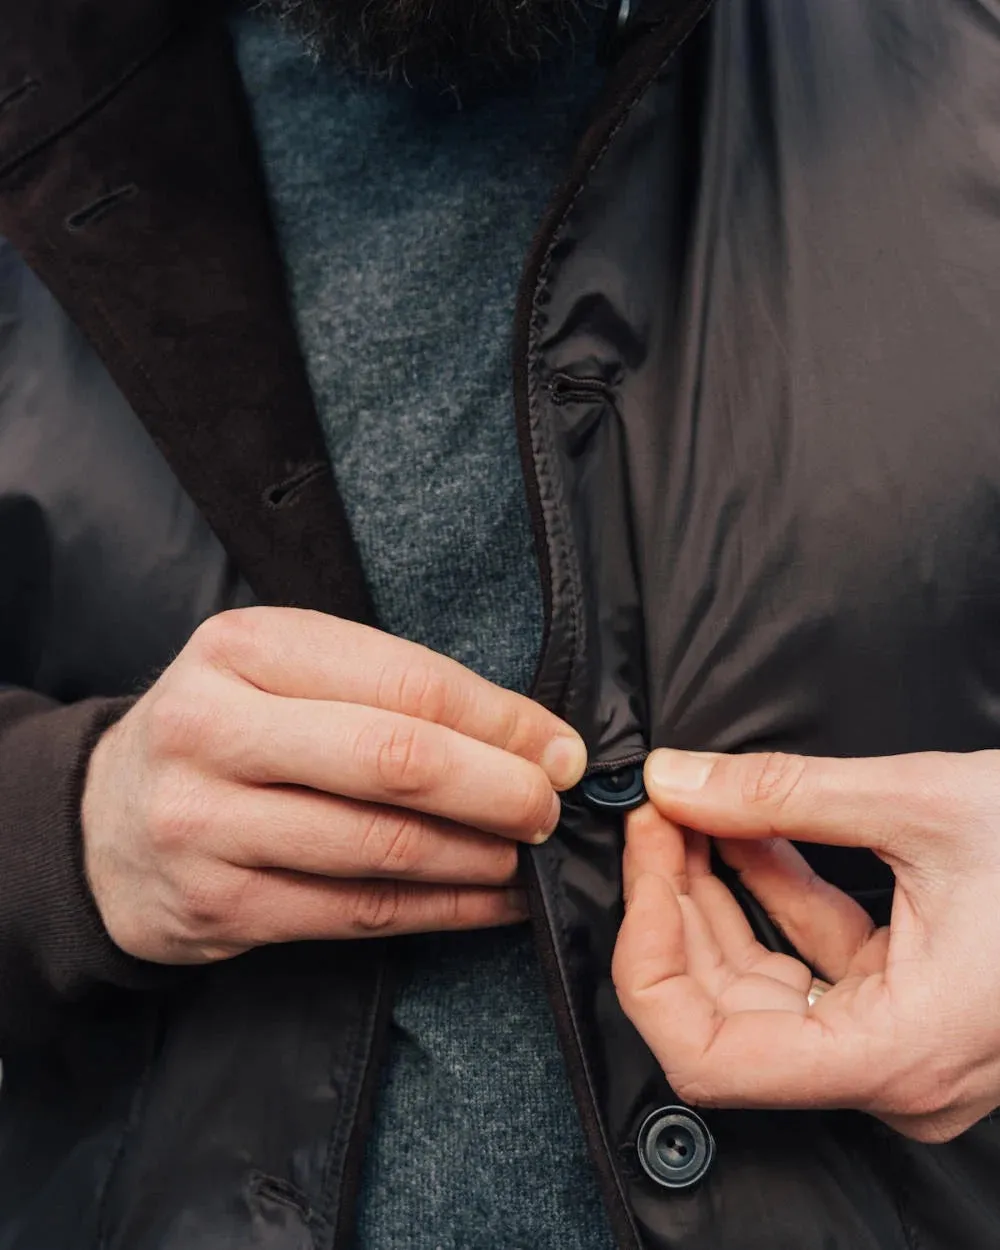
(888, 804)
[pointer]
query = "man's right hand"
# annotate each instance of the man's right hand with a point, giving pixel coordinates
(293, 776)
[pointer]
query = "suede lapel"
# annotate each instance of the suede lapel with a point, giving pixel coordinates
(129, 181)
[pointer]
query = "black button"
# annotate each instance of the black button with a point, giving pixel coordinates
(676, 1149)
(616, 792)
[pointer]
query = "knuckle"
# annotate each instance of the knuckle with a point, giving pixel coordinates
(208, 902)
(220, 640)
(416, 690)
(376, 909)
(393, 842)
(512, 727)
(453, 909)
(175, 818)
(772, 780)
(178, 723)
(402, 762)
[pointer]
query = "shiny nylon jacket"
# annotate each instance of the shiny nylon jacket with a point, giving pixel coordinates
(757, 381)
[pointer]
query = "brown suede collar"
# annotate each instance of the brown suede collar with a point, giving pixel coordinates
(130, 182)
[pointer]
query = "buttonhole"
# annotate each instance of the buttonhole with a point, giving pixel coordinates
(632, 760)
(100, 207)
(567, 389)
(273, 1189)
(285, 492)
(19, 93)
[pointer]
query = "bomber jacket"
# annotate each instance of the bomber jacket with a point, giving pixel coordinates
(757, 385)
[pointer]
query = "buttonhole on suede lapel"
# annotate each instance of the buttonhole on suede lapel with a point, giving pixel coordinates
(100, 207)
(16, 94)
(285, 492)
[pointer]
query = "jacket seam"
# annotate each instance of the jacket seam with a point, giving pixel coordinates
(541, 282)
(340, 1138)
(93, 105)
(561, 541)
(350, 1137)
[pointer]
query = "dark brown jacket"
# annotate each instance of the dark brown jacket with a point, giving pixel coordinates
(757, 383)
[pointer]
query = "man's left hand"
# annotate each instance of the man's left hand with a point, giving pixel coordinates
(910, 1030)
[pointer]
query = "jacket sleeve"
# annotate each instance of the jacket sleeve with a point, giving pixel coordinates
(53, 945)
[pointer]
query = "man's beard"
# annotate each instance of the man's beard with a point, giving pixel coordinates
(450, 43)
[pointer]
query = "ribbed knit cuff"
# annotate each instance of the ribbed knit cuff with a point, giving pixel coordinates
(53, 944)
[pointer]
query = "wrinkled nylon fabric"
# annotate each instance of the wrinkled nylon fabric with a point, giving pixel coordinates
(778, 528)
(783, 277)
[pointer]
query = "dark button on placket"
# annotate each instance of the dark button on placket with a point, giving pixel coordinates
(619, 791)
(675, 1147)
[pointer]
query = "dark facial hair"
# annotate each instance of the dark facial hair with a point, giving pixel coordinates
(450, 43)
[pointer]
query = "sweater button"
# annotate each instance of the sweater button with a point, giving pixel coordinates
(619, 791)
(675, 1147)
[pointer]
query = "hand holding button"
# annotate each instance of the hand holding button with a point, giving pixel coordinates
(909, 1030)
(295, 777)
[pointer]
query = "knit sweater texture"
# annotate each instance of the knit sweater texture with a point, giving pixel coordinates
(404, 220)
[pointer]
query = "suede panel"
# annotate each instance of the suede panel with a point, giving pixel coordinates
(149, 223)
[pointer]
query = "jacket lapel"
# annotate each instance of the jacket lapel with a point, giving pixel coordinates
(130, 182)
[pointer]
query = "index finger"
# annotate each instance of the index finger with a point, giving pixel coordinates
(302, 654)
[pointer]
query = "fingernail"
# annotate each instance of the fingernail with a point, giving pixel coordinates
(555, 814)
(565, 761)
(679, 770)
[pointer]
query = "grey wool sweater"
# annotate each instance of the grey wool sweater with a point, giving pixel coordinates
(403, 221)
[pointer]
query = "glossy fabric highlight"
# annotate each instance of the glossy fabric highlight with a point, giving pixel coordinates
(784, 271)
